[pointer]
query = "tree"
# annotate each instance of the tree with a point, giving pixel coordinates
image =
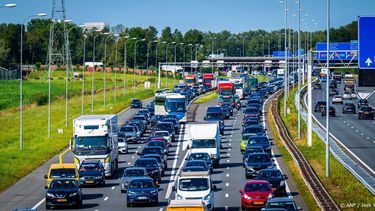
(4, 51)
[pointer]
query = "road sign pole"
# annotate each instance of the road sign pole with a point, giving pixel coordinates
(309, 99)
(327, 91)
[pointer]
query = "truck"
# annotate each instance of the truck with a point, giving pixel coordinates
(191, 79)
(95, 138)
(205, 137)
(194, 186)
(176, 104)
(209, 82)
(349, 84)
(252, 83)
(226, 93)
(239, 87)
(280, 73)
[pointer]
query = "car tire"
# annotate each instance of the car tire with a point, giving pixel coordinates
(48, 207)
(128, 204)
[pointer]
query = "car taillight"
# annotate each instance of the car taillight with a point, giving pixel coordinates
(219, 104)
(232, 104)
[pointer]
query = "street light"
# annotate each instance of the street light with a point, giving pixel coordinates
(175, 62)
(83, 74)
(135, 62)
(125, 60)
(327, 88)
(148, 46)
(156, 64)
(21, 76)
(93, 72)
(286, 56)
(105, 68)
(166, 60)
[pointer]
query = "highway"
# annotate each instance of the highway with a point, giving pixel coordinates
(29, 192)
(357, 135)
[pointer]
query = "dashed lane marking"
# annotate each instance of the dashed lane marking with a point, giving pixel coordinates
(113, 187)
(106, 198)
(228, 174)
(226, 195)
(226, 184)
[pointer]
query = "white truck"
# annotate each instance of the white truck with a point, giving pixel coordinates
(195, 186)
(205, 137)
(95, 138)
(239, 87)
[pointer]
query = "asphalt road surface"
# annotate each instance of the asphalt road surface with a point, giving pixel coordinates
(29, 192)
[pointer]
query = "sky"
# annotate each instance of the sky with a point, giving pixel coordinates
(205, 15)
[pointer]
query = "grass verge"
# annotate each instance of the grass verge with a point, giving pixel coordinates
(206, 97)
(342, 185)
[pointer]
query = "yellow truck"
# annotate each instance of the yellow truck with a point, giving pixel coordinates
(62, 170)
(186, 205)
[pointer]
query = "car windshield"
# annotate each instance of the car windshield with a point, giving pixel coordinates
(204, 143)
(176, 106)
(256, 158)
(157, 157)
(366, 109)
(156, 144)
(193, 184)
(89, 167)
(140, 118)
(270, 174)
(127, 129)
(248, 123)
(91, 145)
(151, 150)
(134, 172)
(161, 134)
(227, 99)
(63, 173)
(164, 127)
(253, 130)
(63, 184)
(238, 86)
(286, 205)
(136, 101)
(213, 115)
(253, 150)
(146, 163)
(262, 140)
(141, 184)
(196, 164)
(194, 169)
(199, 156)
(257, 187)
(251, 110)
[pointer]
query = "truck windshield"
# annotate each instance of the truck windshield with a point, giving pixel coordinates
(226, 92)
(98, 145)
(193, 184)
(176, 106)
(63, 173)
(190, 80)
(204, 143)
(238, 86)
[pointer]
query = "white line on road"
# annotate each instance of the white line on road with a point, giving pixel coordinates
(228, 174)
(228, 161)
(132, 157)
(106, 198)
(161, 209)
(362, 134)
(227, 167)
(229, 144)
(113, 187)
(228, 154)
(129, 163)
(229, 149)
(226, 195)
(39, 203)
(227, 184)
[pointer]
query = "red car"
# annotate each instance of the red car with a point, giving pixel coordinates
(255, 194)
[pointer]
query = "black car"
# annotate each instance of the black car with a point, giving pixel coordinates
(227, 105)
(256, 162)
(63, 192)
(153, 150)
(92, 173)
(366, 112)
(333, 85)
(157, 143)
(202, 156)
(226, 112)
(201, 163)
(146, 113)
(156, 119)
(362, 102)
(151, 108)
(215, 114)
(174, 122)
(319, 106)
(136, 103)
(166, 126)
(331, 112)
(349, 108)
(152, 167)
(142, 190)
(161, 161)
(251, 150)
(276, 178)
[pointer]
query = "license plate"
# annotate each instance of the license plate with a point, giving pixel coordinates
(274, 189)
(89, 182)
(367, 113)
(258, 202)
(142, 197)
(61, 200)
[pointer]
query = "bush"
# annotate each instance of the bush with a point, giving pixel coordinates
(37, 65)
(40, 99)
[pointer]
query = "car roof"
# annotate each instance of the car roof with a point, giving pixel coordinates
(281, 199)
(257, 182)
(254, 126)
(141, 178)
(135, 168)
(63, 165)
(143, 158)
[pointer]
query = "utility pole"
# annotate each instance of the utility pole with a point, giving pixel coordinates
(327, 89)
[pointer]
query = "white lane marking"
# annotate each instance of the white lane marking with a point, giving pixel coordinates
(39, 203)
(230, 139)
(229, 149)
(369, 95)
(227, 167)
(106, 198)
(373, 122)
(344, 121)
(136, 151)
(227, 184)
(356, 131)
(228, 174)
(229, 144)
(347, 124)
(228, 154)
(226, 195)
(139, 146)
(352, 127)
(113, 187)
(96, 210)
(129, 163)
(132, 157)
(362, 134)
(368, 137)
(228, 161)
(175, 159)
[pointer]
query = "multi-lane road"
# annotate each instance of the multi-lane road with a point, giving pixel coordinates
(229, 177)
(357, 135)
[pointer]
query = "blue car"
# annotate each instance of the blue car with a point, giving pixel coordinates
(142, 191)
(215, 114)
(256, 162)
(255, 130)
(261, 141)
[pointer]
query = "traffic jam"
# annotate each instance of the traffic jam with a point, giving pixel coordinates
(99, 141)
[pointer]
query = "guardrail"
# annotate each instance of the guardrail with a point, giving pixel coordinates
(361, 174)
(320, 194)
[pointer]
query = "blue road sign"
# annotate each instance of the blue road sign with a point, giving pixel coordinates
(302, 52)
(337, 56)
(337, 46)
(281, 54)
(366, 42)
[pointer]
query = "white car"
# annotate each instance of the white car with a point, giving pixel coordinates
(122, 146)
(337, 99)
(347, 95)
(164, 134)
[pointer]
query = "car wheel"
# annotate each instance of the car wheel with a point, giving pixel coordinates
(128, 204)
(48, 207)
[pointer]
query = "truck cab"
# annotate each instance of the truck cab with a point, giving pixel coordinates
(187, 205)
(195, 186)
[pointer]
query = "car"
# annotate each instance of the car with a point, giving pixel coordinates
(261, 141)
(63, 192)
(333, 92)
(250, 122)
(255, 194)
(215, 114)
(62, 170)
(139, 125)
(226, 112)
(129, 174)
(317, 86)
(130, 133)
(153, 150)
(202, 156)
(174, 122)
(255, 130)
(331, 111)
(319, 106)
(286, 203)
(349, 108)
(146, 113)
(256, 162)
(251, 110)
(161, 163)
(337, 99)
(156, 119)
(159, 143)
(151, 108)
(245, 140)
(249, 118)
(201, 163)
(140, 118)
(227, 105)
(142, 191)
(347, 95)
(152, 167)
(166, 126)
(362, 102)
(164, 134)
(92, 173)
(366, 112)
(135, 103)
(353, 95)
(250, 150)
(333, 85)
(276, 178)
(123, 147)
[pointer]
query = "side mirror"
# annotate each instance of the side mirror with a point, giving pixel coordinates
(241, 191)
(45, 177)
(214, 188)
(285, 177)
(46, 187)
(299, 208)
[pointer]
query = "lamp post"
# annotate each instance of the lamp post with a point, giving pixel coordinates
(105, 69)
(148, 46)
(175, 62)
(166, 60)
(83, 74)
(125, 61)
(157, 85)
(286, 55)
(299, 65)
(21, 72)
(327, 88)
(135, 62)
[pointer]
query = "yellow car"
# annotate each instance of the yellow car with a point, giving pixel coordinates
(244, 140)
(63, 170)
(187, 205)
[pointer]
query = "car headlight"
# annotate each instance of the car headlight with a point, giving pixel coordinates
(73, 194)
(246, 196)
(50, 195)
(154, 192)
(179, 197)
(208, 197)
(282, 183)
(131, 193)
(250, 168)
(270, 196)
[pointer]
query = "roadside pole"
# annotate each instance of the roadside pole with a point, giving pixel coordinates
(327, 90)
(309, 99)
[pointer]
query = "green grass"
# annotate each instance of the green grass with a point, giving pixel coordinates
(262, 78)
(206, 97)
(35, 89)
(341, 184)
(37, 147)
